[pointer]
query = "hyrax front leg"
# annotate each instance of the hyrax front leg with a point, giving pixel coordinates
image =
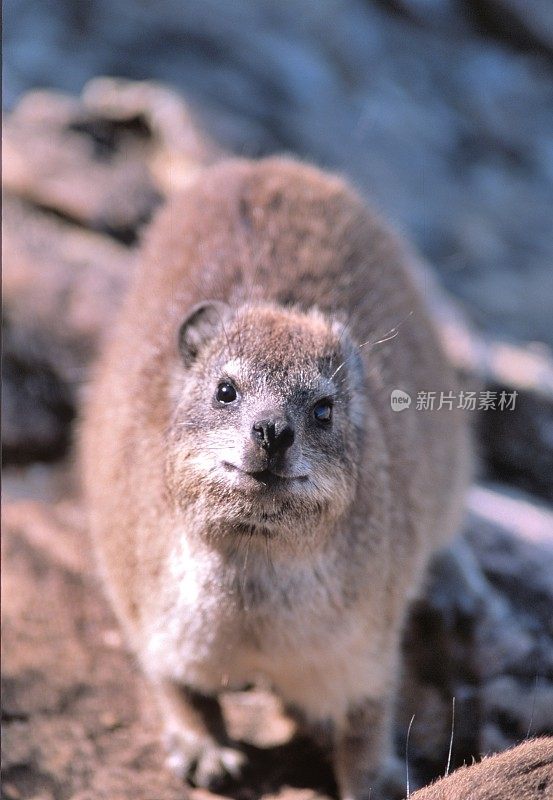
(198, 746)
(364, 764)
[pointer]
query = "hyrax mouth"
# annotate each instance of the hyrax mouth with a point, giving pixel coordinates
(267, 477)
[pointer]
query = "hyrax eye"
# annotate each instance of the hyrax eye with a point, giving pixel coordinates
(226, 392)
(322, 411)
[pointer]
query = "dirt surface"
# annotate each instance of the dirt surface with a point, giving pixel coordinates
(78, 721)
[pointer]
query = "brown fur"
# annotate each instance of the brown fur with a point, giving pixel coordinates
(523, 773)
(212, 587)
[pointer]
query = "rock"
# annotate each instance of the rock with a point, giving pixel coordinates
(82, 168)
(482, 634)
(101, 163)
(516, 441)
(37, 406)
(61, 285)
(518, 22)
(80, 180)
(519, 445)
(442, 116)
(179, 147)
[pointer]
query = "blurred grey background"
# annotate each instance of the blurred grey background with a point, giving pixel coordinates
(440, 110)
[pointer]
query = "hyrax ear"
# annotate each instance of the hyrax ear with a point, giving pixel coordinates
(204, 321)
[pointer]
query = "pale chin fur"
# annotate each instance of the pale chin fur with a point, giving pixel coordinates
(291, 511)
(226, 469)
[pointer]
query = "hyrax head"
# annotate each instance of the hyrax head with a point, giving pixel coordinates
(268, 417)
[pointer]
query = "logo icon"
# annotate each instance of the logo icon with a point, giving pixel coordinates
(400, 400)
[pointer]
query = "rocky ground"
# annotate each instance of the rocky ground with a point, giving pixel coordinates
(445, 119)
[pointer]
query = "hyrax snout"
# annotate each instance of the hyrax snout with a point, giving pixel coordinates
(258, 507)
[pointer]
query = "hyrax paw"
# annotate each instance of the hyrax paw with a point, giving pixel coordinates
(216, 766)
(204, 764)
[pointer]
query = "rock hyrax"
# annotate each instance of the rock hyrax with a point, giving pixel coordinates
(258, 506)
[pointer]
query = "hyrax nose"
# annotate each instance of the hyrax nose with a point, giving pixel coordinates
(273, 435)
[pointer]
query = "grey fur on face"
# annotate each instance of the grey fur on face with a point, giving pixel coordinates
(281, 436)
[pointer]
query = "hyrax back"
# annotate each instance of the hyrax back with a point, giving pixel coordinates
(258, 507)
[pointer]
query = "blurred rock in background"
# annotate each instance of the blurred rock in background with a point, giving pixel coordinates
(441, 110)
